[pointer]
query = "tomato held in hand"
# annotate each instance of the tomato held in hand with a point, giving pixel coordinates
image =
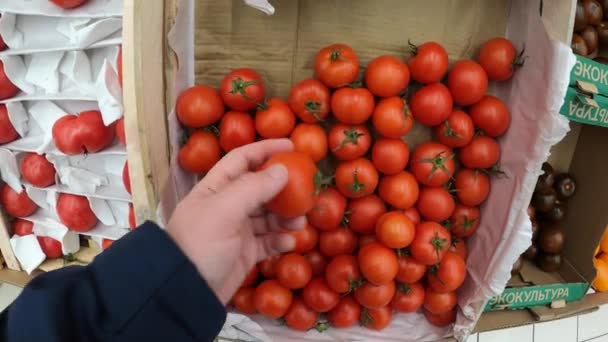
(299, 316)
(50, 247)
(395, 230)
(378, 263)
(85, 133)
(274, 119)
(200, 153)
(328, 210)
(435, 204)
(491, 115)
(199, 106)
(298, 196)
(356, 178)
(410, 270)
(468, 82)
(409, 297)
(464, 221)
(390, 156)
(244, 300)
(252, 277)
(376, 319)
(310, 100)
(22, 227)
(449, 274)
(439, 303)
(317, 261)
(428, 63)
(392, 117)
(306, 239)
(272, 299)
(345, 314)
(126, 178)
(498, 58)
(349, 142)
(7, 131)
(68, 4)
(375, 296)
(433, 163)
(319, 296)
(342, 274)
(17, 204)
(482, 153)
(336, 65)
(352, 105)
(37, 170)
(311, 140)
(236, 129)
(400, 190)
(472, 187)
(120, 131)
(431, 104)
(456, 131)
(268, 266)
(338, 241)
(242, 89)
(7, 88)
(75, 212)
(363, 213)
(430, 244)
(387, 76)
(293, 271)
(441, 320)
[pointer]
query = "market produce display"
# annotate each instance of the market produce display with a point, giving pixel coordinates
(387, 222)
(590, 29)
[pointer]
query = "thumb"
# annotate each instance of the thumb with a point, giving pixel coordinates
(254, 189)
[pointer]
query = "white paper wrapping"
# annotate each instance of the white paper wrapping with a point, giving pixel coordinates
(70, 243)
(28, 252)
(92, 9)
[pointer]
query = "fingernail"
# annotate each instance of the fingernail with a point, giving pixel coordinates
(287, 242)
(277, 171)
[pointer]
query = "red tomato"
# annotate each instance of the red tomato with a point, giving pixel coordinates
(317, 262)
(435, 204)
(106, 243)
(22, 227)
(293, 271)
(274, 119)
(428, 63)
(433, 163)
(199, 106)
(498, 57)
(3, 45)
(345, 314)
(378, 263)
(441, 320)
(464, 221)
(310, 100)
(268, 266)
(7, 88)
(375, 296)
(400, 190)
(459, 247)
(328, 210)
(120, 131)
(126, 178)
(272, 299)
(491, 115)
(310, 139)
(365, 240)
(468, 82)
(439, 303)
(319, 296)
(482, 153)
(299, 316)
(252, 277)
(306, 239)
(449, 274)
(392, 118)
(409, 297)
(236, 129)
(431, 104)
(242, 89)
(17, 204)
(37, 170)
(363, 213)
(390, 156)
(244, 300)
(352, 106)
(75, 212)
(387, 76)
(349, 142)
(336, 242)
(7, 131)
(298, 196)
(50, 247)
(472, 187)
(200, 152)
(132, 224)
(376, 319)
(395, 230)
(456, 131)
(430, 244)
(356, 178)
(336, 65)
(342, 274)
(410, 270)
(413, 214)
(119, 65)
(85, 133)
(68, 4)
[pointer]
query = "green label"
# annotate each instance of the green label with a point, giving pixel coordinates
(587, 70)
(526, 297)
(575, 109)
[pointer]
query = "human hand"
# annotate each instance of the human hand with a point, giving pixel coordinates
(222, 227)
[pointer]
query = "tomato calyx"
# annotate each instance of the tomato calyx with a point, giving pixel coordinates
(70, 257)
(402, 252)
(455, 241)
(263, 105)
(313, 107)
(449, 131)
(438, 163)
(467, 223)
(321, 326)
(356, 186)
(413, 47)
(239, 86)
(438, 243)
(366, 318)
(345, 220)
(353, 284)
(350, 136)
(212, 129)
(495, 171)
(433, 270)
(405, 288)
(520, 59)
(336, 54)
(321, 182)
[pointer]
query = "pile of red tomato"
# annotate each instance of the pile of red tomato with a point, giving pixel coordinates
(387, 226)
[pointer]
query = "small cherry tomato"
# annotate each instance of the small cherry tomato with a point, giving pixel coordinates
(408, 298)
(311, 140)
(300, 317)
(413, 214)
(363, 213)
(498, 58)
(378, 263)
(387, 76)
(395, 230)
(430, 244)
(236, 129)
(268, 266)
(435, 204)
(441, 320)
(342, 274)
(431, 104)
(428, 63)
(345, 314)
(293, 271)
(274, 119)
(410, 270)
(472, 187)
(456, 131)
(310, 100)
(491, 115)
(200, 153)
(251, 277)
(319, 296)
(376, 319)
(482, 153)
(392, 117)
(464, 221)
(272, 299)
(242, 89)
(390, 156)
(374, 296)
(352, 106)
(328, 210)
(349, 142)
(439, 303)
(306, 239)
(468, 82)
(449, 274)
(244, 300)
(317, 261)
(356, 178)
(433, 163)
(336, 65)
(199, 106)
(400, 190)
(336, 242)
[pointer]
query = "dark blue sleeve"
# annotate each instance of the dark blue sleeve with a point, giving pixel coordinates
(143, 288)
